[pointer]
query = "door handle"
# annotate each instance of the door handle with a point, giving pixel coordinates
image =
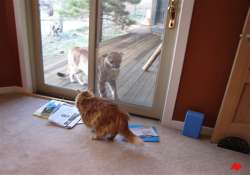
(172, 9)
(247, 36)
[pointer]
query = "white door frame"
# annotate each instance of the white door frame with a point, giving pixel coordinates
(23, 45)
(186, 11)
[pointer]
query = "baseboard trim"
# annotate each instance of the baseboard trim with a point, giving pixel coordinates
(207, 131)
(11, 89)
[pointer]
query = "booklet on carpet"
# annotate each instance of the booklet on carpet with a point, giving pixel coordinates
(147, 134)
(47, 109)
(59, 113)
(66, 116)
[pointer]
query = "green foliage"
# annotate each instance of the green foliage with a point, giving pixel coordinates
(113, 10)
(74, 8)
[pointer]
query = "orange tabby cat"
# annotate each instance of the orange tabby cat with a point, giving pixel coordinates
(104, 117)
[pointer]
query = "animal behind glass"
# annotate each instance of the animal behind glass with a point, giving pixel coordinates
(77, 66)
(108, 69)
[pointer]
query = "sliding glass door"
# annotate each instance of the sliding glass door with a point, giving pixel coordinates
(62, 44)
(114, 48)
(130, 37)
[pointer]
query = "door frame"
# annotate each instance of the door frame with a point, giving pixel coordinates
(173, 71)
(177, 64)
(24, 49)
(234, 89)
(31, 13)
(167, 54)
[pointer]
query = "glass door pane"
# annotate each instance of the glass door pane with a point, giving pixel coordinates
(129, 37)
(64, 32)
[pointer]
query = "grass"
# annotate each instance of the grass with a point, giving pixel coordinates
(60, 45)
(54, 46)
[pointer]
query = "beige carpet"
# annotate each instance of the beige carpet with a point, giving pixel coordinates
(30, 146)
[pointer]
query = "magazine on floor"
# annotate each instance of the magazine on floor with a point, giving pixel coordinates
(47, 109)
(146, 133)
(66, 116)
(59, 113)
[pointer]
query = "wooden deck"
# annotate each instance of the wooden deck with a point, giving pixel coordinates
(134, 85)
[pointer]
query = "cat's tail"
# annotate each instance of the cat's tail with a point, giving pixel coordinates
(63, 75)
(131, 138)
(125, 132)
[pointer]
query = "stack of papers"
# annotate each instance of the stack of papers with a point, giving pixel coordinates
(147, 134)
(66, 116)
(59, 113)
(47, 109)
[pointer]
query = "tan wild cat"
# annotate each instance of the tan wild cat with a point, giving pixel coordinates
(77, 65)
(108, 69)
(104, 117)
(108, 72)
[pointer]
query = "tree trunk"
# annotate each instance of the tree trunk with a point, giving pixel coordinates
(100, 25)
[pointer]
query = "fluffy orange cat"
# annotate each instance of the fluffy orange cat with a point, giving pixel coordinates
(104, 117)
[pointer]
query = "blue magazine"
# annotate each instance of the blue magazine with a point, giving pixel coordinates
(152, 137)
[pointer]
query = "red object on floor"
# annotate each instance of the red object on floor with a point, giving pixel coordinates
(236, 166)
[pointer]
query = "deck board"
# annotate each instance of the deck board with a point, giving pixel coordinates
(134, 85)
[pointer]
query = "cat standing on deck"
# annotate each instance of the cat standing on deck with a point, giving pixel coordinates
(77, 65)
(104, 117)
(108, 69)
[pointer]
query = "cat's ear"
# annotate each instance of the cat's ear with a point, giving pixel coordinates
(87, 94)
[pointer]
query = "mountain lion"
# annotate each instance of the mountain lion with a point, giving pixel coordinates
(108, 69)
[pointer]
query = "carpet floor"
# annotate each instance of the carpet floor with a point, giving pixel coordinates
(31, 146)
